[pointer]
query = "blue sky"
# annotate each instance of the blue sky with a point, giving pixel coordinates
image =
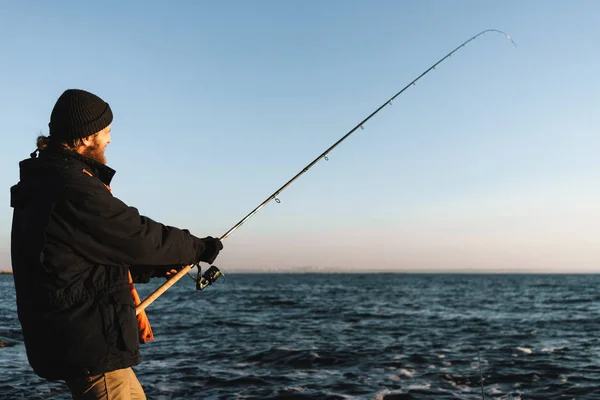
(489, 163)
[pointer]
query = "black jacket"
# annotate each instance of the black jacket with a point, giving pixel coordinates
(72, 245)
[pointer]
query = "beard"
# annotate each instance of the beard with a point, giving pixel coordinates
(95, 152)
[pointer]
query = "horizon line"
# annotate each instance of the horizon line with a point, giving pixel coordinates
(381, 272)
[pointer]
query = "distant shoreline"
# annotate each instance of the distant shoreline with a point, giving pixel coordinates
(6, 272)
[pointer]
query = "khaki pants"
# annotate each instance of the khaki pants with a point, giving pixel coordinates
(121, 384)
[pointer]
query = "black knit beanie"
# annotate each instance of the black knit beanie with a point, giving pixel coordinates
(78, 114)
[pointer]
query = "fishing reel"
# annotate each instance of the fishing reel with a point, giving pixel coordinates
(208, 278)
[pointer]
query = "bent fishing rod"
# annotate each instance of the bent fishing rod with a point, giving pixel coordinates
(213, 272)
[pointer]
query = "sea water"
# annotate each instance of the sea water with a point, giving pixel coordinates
(354, 336)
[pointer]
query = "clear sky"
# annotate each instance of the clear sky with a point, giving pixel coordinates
(490, 163)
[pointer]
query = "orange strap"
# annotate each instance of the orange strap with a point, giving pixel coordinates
(144, 328)
(85, 171)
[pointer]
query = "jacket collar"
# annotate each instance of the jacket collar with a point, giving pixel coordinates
(103, 172)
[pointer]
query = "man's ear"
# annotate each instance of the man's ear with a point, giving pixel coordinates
(87, 141)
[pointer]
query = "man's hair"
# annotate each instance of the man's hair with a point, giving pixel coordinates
(43, 142)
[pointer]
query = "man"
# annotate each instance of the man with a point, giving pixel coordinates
(76, 251)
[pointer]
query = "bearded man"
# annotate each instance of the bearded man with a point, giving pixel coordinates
(76, 252)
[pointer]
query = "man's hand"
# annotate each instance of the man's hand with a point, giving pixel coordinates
(143, 273)
(212, 247)
(170, 273)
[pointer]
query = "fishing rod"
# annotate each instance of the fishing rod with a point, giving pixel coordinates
(210, 276)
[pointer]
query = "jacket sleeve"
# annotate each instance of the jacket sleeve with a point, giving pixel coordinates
(143, 273)
(109, 232)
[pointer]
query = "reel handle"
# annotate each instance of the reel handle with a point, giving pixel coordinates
(208, 278)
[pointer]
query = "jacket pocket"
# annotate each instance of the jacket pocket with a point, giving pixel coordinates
(126, 321)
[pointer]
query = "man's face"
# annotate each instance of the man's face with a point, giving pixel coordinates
(95, 145)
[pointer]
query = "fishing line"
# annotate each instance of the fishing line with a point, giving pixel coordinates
(479, 362)
(477, 341)
(213, 272)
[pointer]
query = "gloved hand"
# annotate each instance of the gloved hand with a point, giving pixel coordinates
(212, 246)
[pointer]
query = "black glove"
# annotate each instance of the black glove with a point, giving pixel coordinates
(211, 250)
